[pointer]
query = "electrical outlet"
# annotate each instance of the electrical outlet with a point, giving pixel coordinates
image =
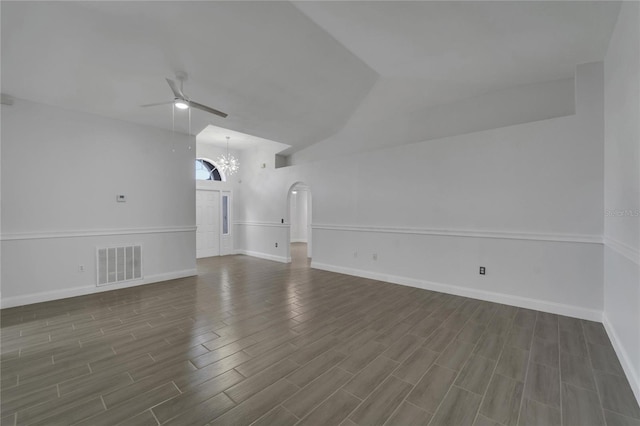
(276, 245)
(355, 254)
(482, 270)
(80, 268)
(375, 256)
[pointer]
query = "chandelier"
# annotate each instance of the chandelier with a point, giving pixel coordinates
(227, 163)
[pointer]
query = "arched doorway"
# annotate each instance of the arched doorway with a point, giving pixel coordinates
(299, 206)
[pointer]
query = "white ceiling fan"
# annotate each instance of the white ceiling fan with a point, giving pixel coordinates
(182, 101)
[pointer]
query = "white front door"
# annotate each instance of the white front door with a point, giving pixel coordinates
(208, 223)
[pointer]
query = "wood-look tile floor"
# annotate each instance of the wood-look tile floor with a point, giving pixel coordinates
(251, 341)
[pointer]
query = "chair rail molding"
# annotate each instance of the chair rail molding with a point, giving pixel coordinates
(93, 233)
(556, 237)
(631, 253)
(264, 224)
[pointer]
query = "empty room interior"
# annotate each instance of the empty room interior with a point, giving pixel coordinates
(320, 213)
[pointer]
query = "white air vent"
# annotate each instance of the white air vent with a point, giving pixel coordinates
(118, 264)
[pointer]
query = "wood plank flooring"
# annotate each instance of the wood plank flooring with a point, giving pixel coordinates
(251, 341)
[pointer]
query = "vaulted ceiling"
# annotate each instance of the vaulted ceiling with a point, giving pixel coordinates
(289, 72)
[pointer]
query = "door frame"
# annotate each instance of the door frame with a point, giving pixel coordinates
(229, 235)
(307, 188)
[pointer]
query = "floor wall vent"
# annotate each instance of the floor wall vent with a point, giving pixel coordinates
(118, 264)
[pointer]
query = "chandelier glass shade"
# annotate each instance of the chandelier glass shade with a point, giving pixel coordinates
(227, 163)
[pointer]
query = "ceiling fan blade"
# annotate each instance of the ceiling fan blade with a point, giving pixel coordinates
(208, 109)
(176, 90)
(156, 104)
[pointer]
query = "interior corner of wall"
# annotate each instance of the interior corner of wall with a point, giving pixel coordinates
(627, 365)
(589, 88)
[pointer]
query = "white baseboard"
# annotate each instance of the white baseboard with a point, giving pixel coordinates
(627, 366)
(266, 256)
(522, 302)
(46, 296)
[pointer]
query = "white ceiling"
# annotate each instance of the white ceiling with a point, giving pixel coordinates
(453, 50)
(292, 73)
(276, 73)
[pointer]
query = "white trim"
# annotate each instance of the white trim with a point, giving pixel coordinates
(226, 240)
(46, 296)
(568, 238)
(523, 302)
(627, 366)
(94, 233)
(269, 224)
(631, 253)
(212, 185)
(298, 240)
(281, 259)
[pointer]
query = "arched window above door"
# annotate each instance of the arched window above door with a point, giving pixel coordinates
(206, 170)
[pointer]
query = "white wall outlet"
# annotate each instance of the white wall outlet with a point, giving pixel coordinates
(355, 254)
(121, 198)
(375, 256)
(80, 268)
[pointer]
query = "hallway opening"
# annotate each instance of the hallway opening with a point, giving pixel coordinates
(299, 206)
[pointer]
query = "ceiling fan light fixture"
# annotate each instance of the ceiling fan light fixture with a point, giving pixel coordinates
(181, 104)
(181, 101)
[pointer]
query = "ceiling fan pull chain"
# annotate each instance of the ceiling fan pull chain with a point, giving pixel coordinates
(173, 128)
(189, 128)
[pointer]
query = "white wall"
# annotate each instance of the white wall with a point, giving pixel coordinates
(622, 191)
(299, 216)
(525, 201)
(261, 218)
(396, 113)
(61, 171)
